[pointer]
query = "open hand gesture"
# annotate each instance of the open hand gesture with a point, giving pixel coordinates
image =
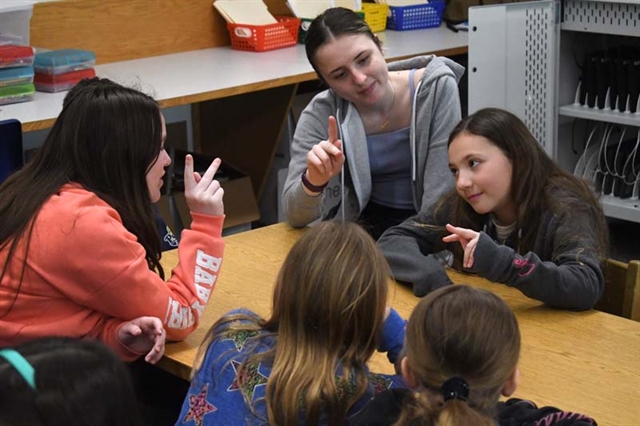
(144, 334)
(325, 159)
(203, 193)
(468, 238)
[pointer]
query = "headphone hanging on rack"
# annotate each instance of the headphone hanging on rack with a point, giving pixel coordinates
(586, 155)
(630, 173)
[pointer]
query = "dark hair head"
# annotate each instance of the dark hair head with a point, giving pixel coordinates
(331, 24)
(460, 331)
(106, 138)
(538, 183)
(109, 135)
(531, 165)
(77, 383)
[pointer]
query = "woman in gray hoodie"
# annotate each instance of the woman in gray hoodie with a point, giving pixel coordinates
(379, 133)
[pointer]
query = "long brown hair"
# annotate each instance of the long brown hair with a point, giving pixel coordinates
(465, 332)
(538, 184)
(327, 316)
(106, 138)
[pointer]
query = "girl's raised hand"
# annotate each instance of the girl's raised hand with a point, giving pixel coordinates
(467, 238)
(144, 334)
(325, 159)
(203, 193)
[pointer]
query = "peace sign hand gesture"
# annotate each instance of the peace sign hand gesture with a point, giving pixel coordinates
(203, 193)
(325, 159)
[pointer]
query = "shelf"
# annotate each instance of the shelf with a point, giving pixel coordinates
(611, 1)
(627, 209)
(609, 116)
(619, 17)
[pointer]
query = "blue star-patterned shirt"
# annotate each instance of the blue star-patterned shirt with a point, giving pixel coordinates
(216, 395)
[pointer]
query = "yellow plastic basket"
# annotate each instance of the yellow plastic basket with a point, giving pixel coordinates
(375, 15)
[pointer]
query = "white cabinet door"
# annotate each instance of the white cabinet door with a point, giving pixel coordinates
(513, 63)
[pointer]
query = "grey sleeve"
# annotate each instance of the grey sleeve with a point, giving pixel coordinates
(571, 280)
(438, 179)
(301, 208)
(408, 249)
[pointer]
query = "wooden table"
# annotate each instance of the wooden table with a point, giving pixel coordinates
(588, 362)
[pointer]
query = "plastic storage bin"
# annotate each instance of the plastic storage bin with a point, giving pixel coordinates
(414, 17)
(18, 93)
(259, 38)
(375, 15)
(60, 82)
(64, 60)
(16, 56)
(15, 19)
(15, 76)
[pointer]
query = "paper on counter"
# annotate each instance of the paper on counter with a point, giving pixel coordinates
(402, 3)
(250, 12)
(309, 9)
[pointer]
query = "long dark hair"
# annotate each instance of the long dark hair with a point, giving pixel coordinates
(331, 24)
(78, 382)
(106, 138)
(538, 184)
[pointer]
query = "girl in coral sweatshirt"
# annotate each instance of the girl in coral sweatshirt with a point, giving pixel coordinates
(79, 250)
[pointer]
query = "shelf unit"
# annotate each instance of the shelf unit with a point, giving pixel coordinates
(588, 25)
(608, 116)
(523, 58)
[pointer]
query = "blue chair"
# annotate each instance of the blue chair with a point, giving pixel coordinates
(11, 155)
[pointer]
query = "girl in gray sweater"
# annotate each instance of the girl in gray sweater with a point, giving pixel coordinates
(379, 133)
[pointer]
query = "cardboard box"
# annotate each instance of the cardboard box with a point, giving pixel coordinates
(240, 204)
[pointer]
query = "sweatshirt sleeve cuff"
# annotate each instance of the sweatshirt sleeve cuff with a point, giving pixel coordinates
(393, 335)
(208, 224)
(492, 260)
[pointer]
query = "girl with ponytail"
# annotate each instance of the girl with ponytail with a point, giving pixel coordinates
(461, 352)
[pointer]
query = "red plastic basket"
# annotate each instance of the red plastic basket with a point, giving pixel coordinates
(258, 38)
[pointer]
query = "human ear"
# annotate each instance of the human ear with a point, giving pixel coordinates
(407, 374)
(511, 384)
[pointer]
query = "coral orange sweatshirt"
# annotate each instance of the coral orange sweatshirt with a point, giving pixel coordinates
(86, 275)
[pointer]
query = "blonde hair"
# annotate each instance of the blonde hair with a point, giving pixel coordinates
(459, 331)
(327, 316)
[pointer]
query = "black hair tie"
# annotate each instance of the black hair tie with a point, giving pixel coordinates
(455, 388)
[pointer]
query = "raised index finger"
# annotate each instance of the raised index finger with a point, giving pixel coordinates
(463, 232)
(333, 129)
(211, 172)
(189, 179)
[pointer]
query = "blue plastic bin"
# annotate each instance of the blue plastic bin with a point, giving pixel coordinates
(426, 15)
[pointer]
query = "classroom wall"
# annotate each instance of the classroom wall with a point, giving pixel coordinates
(117, 30)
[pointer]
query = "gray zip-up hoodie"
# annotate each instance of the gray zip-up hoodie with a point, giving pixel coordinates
(435, 112)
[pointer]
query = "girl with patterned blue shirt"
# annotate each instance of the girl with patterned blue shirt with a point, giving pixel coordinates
(306, 363)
